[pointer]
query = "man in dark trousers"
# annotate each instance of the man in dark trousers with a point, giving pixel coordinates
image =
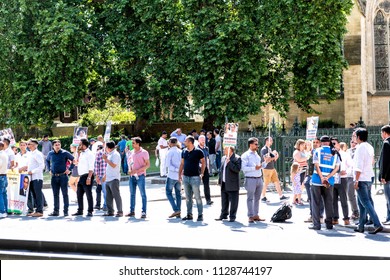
(56, 161)
(229, 179)
(384, 168)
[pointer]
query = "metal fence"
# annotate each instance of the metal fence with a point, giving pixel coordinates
(284, 143)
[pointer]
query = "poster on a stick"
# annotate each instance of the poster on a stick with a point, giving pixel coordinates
(311, 128)
(79, 133)
(107, 133)
(230, 134)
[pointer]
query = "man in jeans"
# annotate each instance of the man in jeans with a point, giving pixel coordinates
(191, 158)
(173, 161)
(139, 162)
(3, 181)
(363, 173)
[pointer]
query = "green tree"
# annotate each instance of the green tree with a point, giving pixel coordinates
(246, 54)
(46, 58)
(142, 58)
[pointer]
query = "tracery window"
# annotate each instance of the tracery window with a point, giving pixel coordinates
(382, 46)
(381, 41)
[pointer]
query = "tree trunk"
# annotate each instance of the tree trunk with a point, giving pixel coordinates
(208, 122)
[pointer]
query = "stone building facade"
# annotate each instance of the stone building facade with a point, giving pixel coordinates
(366, 82)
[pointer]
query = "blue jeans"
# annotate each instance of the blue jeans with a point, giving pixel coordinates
(125, 167)
(57, 183)
(133, 182)
(365, 204)
(99, 189)
(386, 189)
(3, 195)
(192, 187)
(170, 185)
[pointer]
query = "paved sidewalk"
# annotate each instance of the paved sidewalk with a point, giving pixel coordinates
(161, 237)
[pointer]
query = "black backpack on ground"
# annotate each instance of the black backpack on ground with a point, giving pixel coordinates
(282, 214)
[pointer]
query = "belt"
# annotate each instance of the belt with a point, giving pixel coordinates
(3, 174)
(59, 174)
(254, 177)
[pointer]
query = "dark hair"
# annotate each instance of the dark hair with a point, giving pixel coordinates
(137, 140)
(252, 140)
(44, 136)
(216, 130)
(191, 138)
(362, 134)
(84, 142)
(31, 140)
(56, 141)
(173, 140)
(7, 141)
(267, 138)
(110, 144)
(386, 129)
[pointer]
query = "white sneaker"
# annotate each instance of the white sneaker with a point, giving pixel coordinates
(3, 215)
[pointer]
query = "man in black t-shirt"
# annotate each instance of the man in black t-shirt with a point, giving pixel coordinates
(212, 153)
(191, 171)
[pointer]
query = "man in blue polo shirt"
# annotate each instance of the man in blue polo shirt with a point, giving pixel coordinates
(56, 161)
(192, 167)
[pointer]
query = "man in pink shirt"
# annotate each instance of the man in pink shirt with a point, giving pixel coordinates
(138, 161)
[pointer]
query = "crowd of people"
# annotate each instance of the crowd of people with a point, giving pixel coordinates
(325, 167)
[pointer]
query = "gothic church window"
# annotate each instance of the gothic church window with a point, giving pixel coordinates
(381, 42)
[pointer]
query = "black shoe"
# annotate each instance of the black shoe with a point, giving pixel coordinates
(77, 214)
(376, 230)
(97, 207)
(210, 202)
(329, 226)
(108, 215)
(89, 214)
(66, 214)
(314, 227)
(361, 230)
(283, 197)
(369, 223)
(54, 214)
(232, 220)
(221, 218)
(188, 218)
(200, 218)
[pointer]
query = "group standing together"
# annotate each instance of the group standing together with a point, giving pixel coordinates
(325, 167)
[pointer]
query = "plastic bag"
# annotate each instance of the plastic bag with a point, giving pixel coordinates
(157, 162)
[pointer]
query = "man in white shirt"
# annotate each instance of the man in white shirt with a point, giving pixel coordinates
(363, 173)
(35, 168)
(86, 167)
(162, 151)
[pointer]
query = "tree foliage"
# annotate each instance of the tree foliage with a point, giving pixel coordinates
(165, 59)
(46, 58)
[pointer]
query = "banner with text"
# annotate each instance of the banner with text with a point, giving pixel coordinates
(230, 134)
(17, 192)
